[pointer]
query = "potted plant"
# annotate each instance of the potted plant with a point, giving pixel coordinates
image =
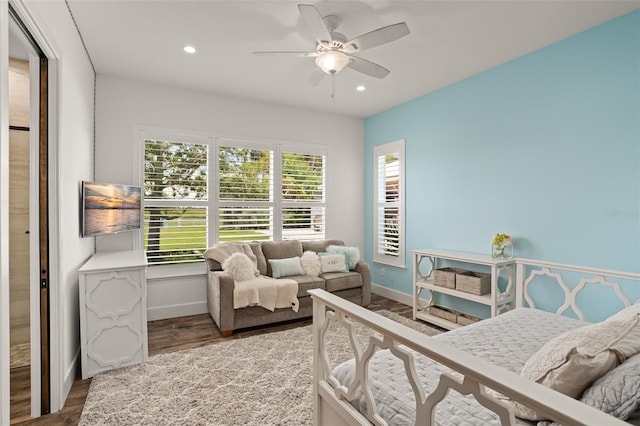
(502, 246)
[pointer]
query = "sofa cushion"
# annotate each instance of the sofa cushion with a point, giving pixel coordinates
(320, 245)
(280, 250)
(335, 281)
(307, 282)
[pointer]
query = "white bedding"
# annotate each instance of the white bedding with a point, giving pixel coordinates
(507, 340)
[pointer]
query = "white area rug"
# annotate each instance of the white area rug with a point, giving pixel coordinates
(258, 380)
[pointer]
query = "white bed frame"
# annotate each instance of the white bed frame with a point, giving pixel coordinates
(331, 400)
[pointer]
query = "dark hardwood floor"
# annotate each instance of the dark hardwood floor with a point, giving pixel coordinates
(165, 336)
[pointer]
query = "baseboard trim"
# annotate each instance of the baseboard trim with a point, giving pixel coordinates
(174, 311)
(70, 375)
(394, 295)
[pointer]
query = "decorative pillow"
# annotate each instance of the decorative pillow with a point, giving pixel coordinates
(240, 267)
(330, 262)
(352, 253)
(310, 263)
(617, 392)
(570, 362)
(285, 267)
(280, 250)
(626, 313)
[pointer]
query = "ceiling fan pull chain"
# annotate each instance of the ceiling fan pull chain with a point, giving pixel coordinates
(333, 87)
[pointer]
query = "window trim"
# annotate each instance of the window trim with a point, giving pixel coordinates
(380, 150)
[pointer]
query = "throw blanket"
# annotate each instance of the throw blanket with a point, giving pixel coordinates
(267, 292)
(220, 252)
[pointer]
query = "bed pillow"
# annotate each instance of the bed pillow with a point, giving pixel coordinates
(240, 267)
(310, 263)
(352, 254)
(617, 392)
(627, 312)
(572, 361)
(285, 267)
(333, 262)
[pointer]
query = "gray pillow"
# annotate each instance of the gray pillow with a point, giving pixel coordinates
(618, 391)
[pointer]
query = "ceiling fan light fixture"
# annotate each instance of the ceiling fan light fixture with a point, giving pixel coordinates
(332, 61)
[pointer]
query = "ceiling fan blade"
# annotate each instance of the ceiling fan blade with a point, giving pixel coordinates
(316, 76)
(367, 67)
(377, 37)
(315, 23)
(297, 54)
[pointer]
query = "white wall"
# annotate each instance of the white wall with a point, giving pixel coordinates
(74, 159)
(123, 105)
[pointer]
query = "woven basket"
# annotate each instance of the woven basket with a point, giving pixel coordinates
(466, 319)
(477, 283)
(446, 277)
(445, 313)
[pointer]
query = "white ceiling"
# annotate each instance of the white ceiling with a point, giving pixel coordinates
(449, 41)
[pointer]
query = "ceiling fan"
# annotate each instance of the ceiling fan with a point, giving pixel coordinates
(334, 51)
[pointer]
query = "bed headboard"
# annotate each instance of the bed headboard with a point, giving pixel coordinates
(572, 282)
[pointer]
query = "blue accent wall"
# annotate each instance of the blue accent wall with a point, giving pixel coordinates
(545, 148)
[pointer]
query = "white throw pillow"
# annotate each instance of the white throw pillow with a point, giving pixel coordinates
(310, 263)
(240, 267)
(570, 362)
(626, 313)
(333, 262)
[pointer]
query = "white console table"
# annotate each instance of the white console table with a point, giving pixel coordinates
(498, 301)
(113, 311)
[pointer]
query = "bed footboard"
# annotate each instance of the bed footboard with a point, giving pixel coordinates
(473, 375)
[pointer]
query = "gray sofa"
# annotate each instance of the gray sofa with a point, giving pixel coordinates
(354, 286)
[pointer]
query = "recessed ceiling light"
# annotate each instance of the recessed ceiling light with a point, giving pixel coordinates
(189, 49)
(361, 88)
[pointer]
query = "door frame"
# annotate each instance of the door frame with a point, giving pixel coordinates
(56, 373)
(4, 214)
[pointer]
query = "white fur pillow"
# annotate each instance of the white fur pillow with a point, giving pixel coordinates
(310, 263)
(240, 267)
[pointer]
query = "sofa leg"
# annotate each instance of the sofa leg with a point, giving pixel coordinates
(227, 333)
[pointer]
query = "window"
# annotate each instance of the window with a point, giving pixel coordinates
(175, 201)
(389, 204)
(258, 192)
(246, 202)
(303, 209)
(249, 207)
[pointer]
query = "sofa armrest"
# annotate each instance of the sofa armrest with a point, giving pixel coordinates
(220, 299)
(363, 269)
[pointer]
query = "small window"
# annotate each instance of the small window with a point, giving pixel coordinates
(245, 186)
(303, 201)
(389, 236)
(175, 200)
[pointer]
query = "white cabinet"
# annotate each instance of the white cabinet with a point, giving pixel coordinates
(113, 311)
(424, 263)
